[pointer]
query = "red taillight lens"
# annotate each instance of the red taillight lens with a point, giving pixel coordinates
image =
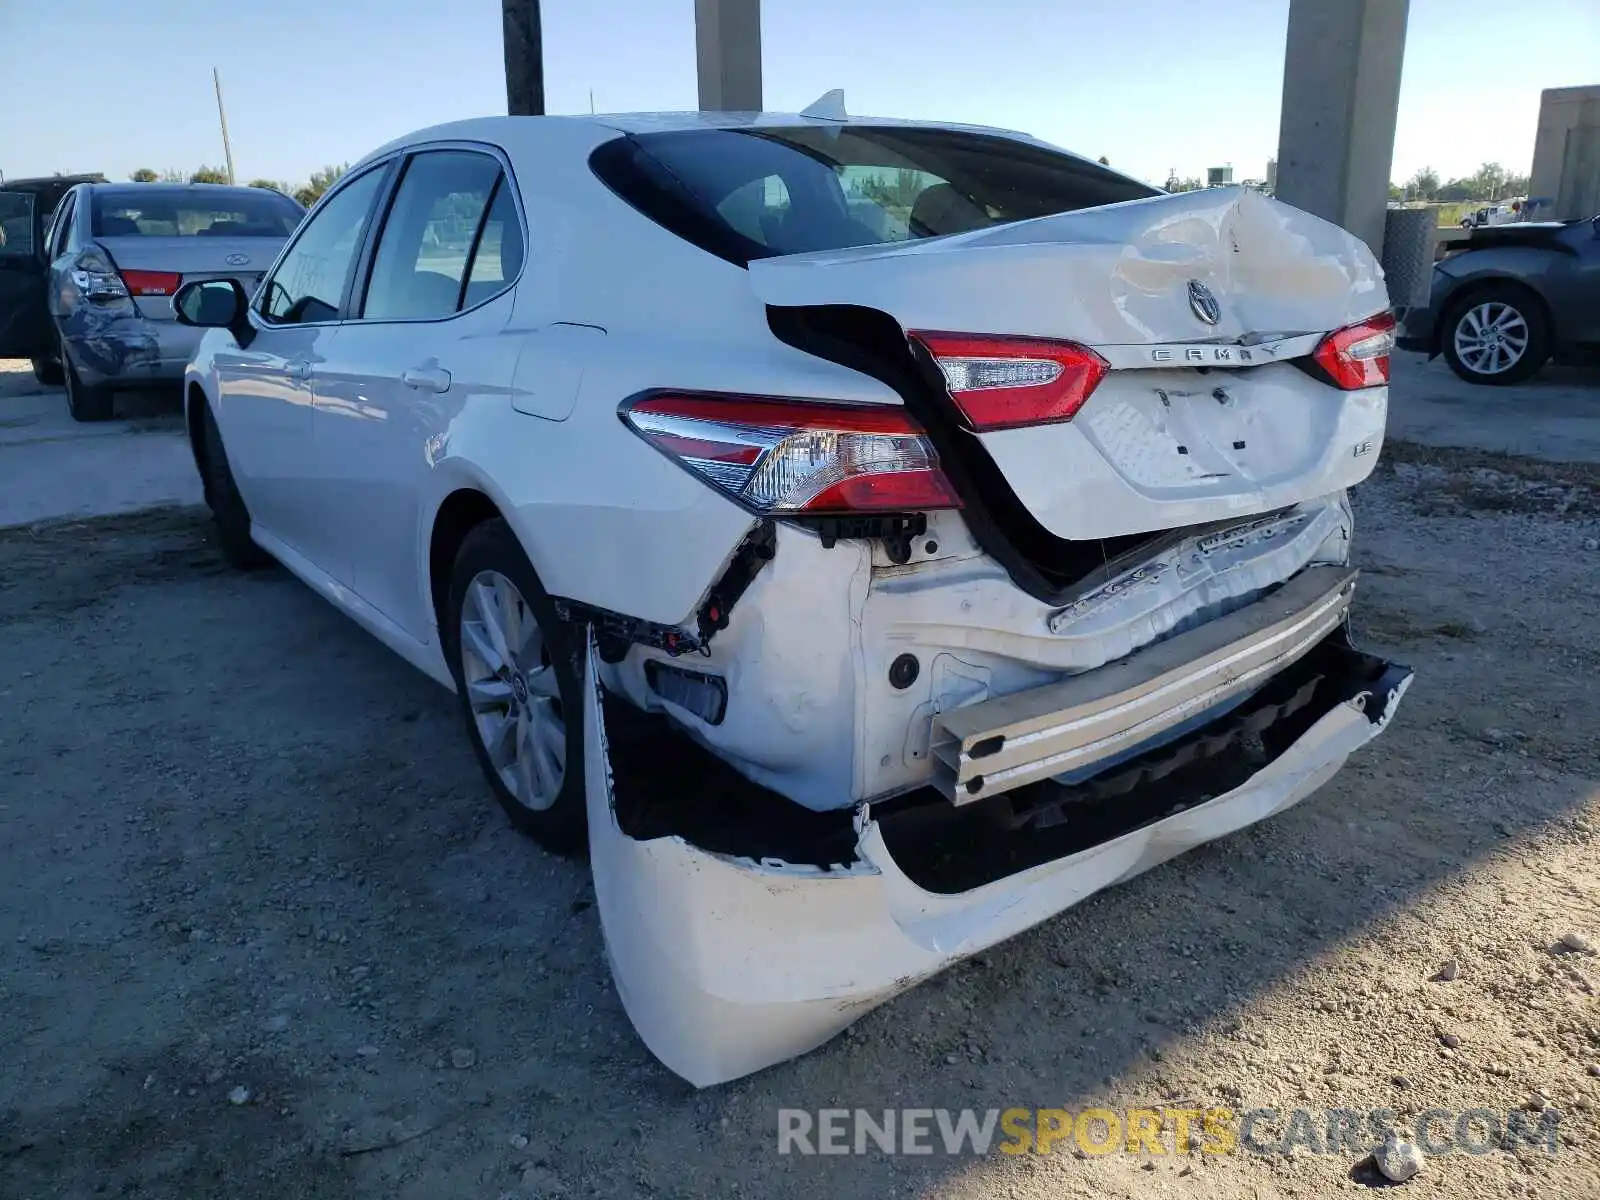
(1357, 356)
(1008, 382)
(151, 283)
(798, 456)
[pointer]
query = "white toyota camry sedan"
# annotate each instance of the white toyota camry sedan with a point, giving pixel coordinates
(868, 538)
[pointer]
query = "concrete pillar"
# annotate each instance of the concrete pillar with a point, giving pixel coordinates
(727, 42)
(1341, 89)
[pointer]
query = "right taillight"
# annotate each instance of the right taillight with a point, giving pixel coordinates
(797, 456)
(1357, 356)
(1006, 382)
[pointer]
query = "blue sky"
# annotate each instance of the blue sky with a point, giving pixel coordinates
(112, 85)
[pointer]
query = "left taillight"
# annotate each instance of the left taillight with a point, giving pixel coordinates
(1357, 356)
(793, 457)
(1005, 382)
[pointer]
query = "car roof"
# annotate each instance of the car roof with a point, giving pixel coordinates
(590, 130)
(45, 183)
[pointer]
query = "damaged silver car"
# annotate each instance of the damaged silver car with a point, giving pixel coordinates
(114, 256)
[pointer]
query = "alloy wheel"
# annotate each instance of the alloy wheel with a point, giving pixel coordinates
(1491, 338)
(512, 689)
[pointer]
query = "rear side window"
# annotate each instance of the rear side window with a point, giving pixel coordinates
(744, 194)
(201, 211)
(424, 267)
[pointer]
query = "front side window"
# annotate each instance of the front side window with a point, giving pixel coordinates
(425, 252)
(201, 211)
(309, 283)
(751, 193)
(16, 223)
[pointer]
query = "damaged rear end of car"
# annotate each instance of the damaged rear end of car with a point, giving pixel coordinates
(1072, 598)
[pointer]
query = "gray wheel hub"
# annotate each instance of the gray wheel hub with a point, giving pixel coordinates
(1491, 338)
(513, 691)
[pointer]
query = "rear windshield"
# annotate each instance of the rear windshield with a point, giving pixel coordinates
(745, 194)
(207, 211)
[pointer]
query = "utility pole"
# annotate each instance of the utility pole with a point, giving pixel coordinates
(227, 149)
(524, 46)
(727, 39)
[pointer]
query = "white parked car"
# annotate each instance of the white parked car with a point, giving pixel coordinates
(868, 591)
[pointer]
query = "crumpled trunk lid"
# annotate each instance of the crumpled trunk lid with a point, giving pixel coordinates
(1196, 421)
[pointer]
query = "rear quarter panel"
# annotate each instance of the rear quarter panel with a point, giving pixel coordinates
(606, 519)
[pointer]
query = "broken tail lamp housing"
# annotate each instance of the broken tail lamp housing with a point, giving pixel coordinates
(783, 457)
(1004, 382)
(1357, 356)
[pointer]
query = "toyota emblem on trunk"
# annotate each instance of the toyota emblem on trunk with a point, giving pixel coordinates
(239, 260)
(1203, 303)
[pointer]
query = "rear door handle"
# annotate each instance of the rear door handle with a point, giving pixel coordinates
(300, 369)
(426, 379)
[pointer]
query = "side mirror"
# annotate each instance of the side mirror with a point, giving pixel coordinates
(215, 304)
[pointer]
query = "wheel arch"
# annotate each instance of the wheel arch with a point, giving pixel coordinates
(194, 407)
(458, 514)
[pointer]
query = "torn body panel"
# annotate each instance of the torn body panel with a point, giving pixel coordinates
(815, 706)
(118, 344)
(731, 960)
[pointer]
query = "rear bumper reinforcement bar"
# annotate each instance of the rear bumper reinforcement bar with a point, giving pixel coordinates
(1103, 716)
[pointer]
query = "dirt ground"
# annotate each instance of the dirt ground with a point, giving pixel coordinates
(263, 933)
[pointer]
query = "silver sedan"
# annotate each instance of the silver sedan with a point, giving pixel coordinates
(118, 253)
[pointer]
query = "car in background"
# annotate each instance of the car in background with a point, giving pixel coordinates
(1493, 214)
(97, 314)
(873, 536)
(1511, 298)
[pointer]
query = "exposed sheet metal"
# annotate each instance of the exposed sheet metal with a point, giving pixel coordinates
(726, 966)
(984, 749)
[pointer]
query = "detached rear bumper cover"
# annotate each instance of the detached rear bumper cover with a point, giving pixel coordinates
(726, 965)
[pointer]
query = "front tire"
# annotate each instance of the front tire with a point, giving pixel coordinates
(1496, 337)
(517, 679)
(228, 511)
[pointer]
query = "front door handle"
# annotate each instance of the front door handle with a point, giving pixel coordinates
(426, 379)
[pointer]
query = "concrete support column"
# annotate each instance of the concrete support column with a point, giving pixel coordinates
(727, 42)
(1341, 90)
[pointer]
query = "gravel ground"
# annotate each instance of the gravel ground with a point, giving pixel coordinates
(263, 934)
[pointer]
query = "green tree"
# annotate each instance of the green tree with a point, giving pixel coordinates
(1489, 181)
(209, 175)
(171, 175)
(1424, 185)
(1104, 161)
(144, 175)
(271, 185)
(320, 182)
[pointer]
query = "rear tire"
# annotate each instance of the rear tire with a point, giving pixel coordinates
(1497, 336)
(228, 510)
(48, 372)
(83, 402)
(517, 680)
